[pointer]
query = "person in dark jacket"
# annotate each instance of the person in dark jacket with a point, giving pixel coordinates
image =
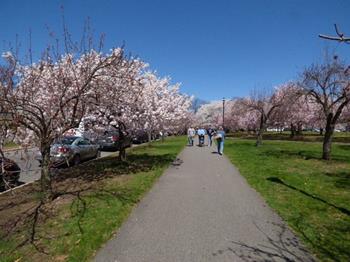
(210, 133)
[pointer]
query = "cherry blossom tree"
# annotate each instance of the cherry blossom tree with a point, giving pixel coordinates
(239, 118)
(59, 92)
(177, 108)
(52, 96)
(266, 104)
(328, 85)
(237, 115)
(7, 123)
(163, 107)
(211, 113)
(295, 112)
(152, 103)
(132, 98)
(117, 92)
(345, 116)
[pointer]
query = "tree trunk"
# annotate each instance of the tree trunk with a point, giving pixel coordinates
(299, 129)
(45, 179)
(149, 136)
(261, 131)
(321, 131)
(292, 130)
(259, 138)
(122, 140)
(1, 152)
(327, 140)
(122, 154)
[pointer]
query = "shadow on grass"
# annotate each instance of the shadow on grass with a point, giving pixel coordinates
(287, 154)
(287, 137)
(279, 181)
(304, 154)
(75, 185)
(110, 166)
(344, 147)
(329, 245)
(277, 245)
(342, 179)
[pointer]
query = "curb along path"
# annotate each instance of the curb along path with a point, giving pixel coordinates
(203, 210)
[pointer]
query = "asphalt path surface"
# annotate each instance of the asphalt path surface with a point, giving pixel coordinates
(202, 209)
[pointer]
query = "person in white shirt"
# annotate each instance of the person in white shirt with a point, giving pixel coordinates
(190, 134)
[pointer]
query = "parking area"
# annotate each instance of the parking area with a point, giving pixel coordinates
(30, 169)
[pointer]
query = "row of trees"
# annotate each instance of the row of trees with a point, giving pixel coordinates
(319, 99)
(45, 99)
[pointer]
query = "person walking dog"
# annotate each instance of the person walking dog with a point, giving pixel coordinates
(220, 138)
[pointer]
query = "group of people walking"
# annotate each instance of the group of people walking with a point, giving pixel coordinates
(218, 135)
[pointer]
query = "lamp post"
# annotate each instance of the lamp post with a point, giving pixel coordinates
(223, 113)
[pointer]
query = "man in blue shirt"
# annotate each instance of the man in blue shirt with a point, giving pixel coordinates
(201, 134)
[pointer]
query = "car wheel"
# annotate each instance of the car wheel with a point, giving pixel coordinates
(76, 160)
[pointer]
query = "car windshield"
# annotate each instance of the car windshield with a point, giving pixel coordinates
(66, 140)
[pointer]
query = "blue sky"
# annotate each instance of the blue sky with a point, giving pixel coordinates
(216, 49)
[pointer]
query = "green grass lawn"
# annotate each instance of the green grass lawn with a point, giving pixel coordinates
(109, 191)
(307, 136)
(310, 194)
(10, 145)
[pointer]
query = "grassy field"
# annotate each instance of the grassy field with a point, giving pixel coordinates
(311, 195)
(340, 137)
(96, 198)
(10, 145)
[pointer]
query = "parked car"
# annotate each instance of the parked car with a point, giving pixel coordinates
(71, 150)
(110, 141)
(10, 177)
(140, 137)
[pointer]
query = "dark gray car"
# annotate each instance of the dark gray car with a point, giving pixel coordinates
(110, 141)
(139, 137)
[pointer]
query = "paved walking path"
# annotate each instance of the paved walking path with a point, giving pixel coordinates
(203, 210)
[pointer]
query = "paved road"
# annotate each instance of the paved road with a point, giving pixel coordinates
(30, 170)
(203, 210)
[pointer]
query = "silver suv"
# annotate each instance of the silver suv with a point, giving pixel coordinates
(71, 150)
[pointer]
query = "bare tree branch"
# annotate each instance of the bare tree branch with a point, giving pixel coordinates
(340, 36)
